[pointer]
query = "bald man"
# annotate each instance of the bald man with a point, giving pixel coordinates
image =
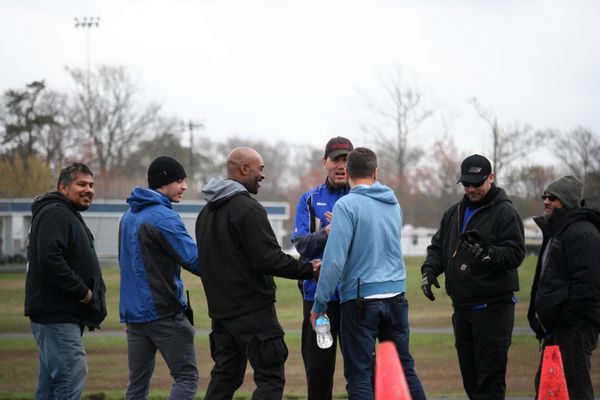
(239, 255)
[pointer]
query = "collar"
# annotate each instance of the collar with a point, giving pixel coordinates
(333, 189)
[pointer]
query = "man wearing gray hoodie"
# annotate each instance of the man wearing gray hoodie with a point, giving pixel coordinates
(239, 255)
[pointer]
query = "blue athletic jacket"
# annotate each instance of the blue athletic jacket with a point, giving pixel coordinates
(309, 235)
(153, 246)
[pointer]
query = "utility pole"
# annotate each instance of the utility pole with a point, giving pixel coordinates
(87, 23)
(191, 126)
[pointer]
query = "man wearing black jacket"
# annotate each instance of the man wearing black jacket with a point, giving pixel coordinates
(479, 245)
(565, 297)
(239, 255)
(64, 290)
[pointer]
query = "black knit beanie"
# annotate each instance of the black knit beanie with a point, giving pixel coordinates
(568, 189)
(164, 170)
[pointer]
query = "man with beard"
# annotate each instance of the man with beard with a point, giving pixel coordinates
(239, 255)
(64, 290)
(565, 297)
(311, 230)
(479, 246)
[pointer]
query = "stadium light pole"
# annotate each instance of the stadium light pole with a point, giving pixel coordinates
(87, 23)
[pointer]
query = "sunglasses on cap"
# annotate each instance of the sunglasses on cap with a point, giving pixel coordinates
(475, 185)
(550, 197)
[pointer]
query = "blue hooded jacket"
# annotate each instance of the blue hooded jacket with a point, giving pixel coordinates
(153, 246)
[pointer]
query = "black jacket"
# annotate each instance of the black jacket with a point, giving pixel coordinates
(469, 280)
(62, 266)
(238, 252)
(568, 290)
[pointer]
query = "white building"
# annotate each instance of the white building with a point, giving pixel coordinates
(103, 220)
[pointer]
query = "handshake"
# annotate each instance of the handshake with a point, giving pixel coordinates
(316, 267)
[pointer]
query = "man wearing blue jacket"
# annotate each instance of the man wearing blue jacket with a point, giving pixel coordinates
(153, 246)
(311, 229)
(363, 253)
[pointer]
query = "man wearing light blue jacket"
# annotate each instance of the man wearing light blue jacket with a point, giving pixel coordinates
(153, 247)
(363, 253)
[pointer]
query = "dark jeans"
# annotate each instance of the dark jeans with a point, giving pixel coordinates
(256, 337)
(319, 364)
(482, 338)
(174, 338)
(576, 343)
(383, 319)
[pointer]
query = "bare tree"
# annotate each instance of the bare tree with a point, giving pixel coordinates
(533, 179)
(439, 177)
(397, 115)
(57, 141)
(103, 108)
(579, 150)
(508, 144)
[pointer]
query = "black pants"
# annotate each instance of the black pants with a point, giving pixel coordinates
(256, 337)
(482, 339)
(576, 343)
(319, 364)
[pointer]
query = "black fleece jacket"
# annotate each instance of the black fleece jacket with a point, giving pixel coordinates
(239, 255)
(62, 266)
(469, 280)
(568, 290)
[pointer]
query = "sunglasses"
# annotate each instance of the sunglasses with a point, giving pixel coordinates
(549, 197)
(475, 185)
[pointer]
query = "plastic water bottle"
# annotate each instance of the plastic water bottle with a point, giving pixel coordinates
(323, 330)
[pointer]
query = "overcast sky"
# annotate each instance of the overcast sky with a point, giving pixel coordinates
(293, 69)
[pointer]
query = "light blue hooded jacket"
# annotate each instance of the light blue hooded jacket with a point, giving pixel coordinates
(364, 243)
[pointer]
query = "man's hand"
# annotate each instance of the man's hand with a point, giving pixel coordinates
(328, 217)
(313, 317)
(316, 266)
(88, 297)
(428, 279)
(473, 244)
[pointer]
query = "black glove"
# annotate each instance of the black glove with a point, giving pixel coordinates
(428, 279)
(473, 244)
(548, 339)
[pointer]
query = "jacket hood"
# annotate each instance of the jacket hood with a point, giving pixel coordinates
(494, 196)
(142, 197)
(47, 198)
(219, 189)
(376, 191)
(562, 218)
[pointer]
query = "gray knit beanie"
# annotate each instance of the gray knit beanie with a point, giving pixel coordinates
(568, 189)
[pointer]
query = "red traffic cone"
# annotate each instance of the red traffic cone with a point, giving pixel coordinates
(390, 382)
(552, 382)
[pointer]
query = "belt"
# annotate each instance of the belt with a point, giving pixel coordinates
(472, 307)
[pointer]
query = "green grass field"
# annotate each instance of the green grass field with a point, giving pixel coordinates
(107, 354)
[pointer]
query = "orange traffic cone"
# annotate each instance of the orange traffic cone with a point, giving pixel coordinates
(390, 382)
(552, 381)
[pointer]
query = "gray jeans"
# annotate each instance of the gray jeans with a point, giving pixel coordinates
(174, 338)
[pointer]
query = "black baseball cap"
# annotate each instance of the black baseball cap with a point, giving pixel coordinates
(338, 146)
(474, 169)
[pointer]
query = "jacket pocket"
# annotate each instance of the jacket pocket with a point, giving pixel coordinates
(267, 351)
(98, 303)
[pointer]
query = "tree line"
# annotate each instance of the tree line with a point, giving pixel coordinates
(103, 120)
